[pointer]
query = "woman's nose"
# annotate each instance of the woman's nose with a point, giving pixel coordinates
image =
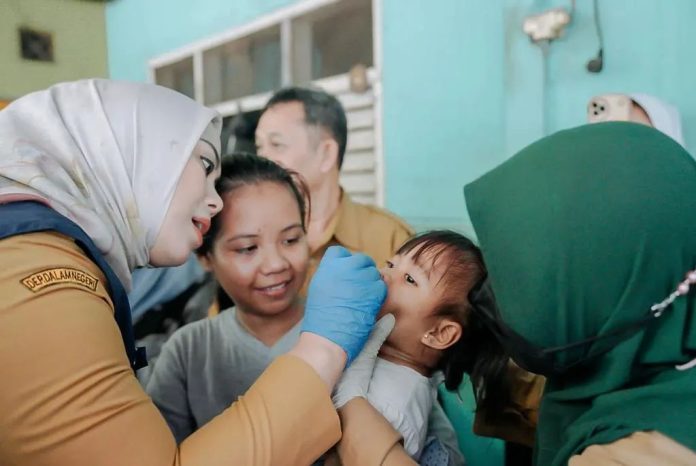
(273, 261)
(214, 203)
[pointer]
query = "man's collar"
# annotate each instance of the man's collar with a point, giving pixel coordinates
(344, 226)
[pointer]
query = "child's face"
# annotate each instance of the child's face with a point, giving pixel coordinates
(412, 295)
(260, 256)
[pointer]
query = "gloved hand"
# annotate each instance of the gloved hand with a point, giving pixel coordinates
(355, 381)
(344, 297)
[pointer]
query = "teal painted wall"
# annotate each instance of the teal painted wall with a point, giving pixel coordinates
(138, 30)
(464, 87)
(444, 108)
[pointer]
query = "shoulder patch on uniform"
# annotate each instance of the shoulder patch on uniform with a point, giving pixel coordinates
(60, 275)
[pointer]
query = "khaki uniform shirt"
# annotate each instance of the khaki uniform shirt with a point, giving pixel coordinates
(361, 228)
(69, 397)
(519, 419)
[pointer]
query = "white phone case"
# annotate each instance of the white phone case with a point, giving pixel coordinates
(609, 107)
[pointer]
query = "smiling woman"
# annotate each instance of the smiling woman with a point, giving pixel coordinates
(261, 255)
(257, 250)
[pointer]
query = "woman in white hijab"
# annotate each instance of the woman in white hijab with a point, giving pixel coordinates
(98, 178)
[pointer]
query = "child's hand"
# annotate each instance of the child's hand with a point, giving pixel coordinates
(345, 295)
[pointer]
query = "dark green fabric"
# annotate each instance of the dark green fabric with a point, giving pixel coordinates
(583, 231)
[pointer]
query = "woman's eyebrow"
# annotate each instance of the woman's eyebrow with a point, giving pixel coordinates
(290, 227)
(217, 156)
(242, 236)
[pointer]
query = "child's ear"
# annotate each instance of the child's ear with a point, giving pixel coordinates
(443, 335)
(204, 260)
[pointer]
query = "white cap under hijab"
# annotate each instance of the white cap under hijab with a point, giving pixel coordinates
(106, 154)
(664, 117)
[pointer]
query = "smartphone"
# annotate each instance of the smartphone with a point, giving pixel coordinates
(609, 107)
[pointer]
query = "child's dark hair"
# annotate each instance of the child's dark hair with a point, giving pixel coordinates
(477, 352)
(243, 169)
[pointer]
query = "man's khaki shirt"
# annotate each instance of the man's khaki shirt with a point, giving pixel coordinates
(361, 228)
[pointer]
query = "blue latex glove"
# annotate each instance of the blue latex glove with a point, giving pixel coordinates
(345, 295)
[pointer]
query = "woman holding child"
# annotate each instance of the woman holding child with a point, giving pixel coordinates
(257, 250)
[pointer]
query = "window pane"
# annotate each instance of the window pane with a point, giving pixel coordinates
(243, 67)
(177, 76)
(332, 40)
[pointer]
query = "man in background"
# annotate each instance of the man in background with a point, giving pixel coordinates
(305, 130)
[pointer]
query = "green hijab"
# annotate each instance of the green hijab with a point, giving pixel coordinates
(582, 232)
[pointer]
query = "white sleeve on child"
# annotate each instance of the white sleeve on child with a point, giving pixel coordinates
(405, 398)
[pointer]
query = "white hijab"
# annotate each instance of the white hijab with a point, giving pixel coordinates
(106, 154)
(664, 117)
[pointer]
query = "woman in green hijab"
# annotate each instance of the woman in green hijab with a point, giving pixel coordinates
(583, 232)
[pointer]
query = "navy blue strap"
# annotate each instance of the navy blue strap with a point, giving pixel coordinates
(30, 217)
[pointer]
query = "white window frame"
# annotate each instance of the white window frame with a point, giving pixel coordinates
(283, 17)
